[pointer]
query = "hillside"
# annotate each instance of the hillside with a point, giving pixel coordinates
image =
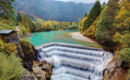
(53, 10)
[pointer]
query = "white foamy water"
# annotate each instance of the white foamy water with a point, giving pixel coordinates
(72, 62)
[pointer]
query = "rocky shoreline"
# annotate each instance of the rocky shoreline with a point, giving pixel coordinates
(40, 71)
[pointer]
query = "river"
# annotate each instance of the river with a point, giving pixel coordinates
(40, 38)
(70, 60)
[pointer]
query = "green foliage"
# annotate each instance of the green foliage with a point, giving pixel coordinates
(90, 32)
(29, 54)
(6, 8)
(42, 25)
(7, 47)
(104, 31)
(81, 26)
(122, 26)
(94, 13)
(122, 40)
(27, 47)
(123, 17)
(125, 54)
(10, 67)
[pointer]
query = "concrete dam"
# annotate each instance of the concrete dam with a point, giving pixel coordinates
(75, 62)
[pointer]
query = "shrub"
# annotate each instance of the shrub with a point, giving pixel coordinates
(10, 67)
(125, 54)
(27, 47)
(7, 48)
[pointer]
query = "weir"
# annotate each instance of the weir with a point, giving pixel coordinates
(75, 62)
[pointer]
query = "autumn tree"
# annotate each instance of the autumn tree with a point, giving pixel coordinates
(81, 25)
(90, 32)
(122, 25)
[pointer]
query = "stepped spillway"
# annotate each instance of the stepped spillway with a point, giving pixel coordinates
(74, 62)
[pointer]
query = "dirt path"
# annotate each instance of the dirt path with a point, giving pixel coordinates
(79, 36)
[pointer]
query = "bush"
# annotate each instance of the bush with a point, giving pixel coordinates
(10, 67)
(27, 47)
(7, 47)
(125, 54)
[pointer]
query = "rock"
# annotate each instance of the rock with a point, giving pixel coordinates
(42, 70)
(114, 70)
(29, 54)
(27, 75)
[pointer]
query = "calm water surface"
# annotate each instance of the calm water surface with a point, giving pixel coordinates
(40, 38)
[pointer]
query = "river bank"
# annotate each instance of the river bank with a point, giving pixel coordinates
(79, 36)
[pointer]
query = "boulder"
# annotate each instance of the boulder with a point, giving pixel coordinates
(114, 70)
(27, 75)
(42, 70)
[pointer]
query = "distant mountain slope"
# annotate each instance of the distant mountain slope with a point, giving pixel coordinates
(53, 10)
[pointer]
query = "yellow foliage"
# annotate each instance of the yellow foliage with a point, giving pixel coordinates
(123, 17)
(7, 48)
(122, 24)
(81, 26)
(23, 29)
(90, 32)
(44, 25)
(122, 40)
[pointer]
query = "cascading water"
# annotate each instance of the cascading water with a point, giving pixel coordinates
(72, 62)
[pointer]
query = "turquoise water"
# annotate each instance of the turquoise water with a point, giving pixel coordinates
(40, 38)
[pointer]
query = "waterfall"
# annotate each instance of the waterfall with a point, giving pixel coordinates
(74, 62)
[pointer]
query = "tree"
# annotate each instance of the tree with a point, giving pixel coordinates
(6, 8)
(19, 17)
(104, 31)
(81, 25)
(125, 54)
(90, 32)
(44, 25)
(103, 6)
(122, 25)
(94, 13)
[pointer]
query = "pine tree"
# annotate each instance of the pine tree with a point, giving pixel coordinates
(19, 17)
(104, 31)
(6, 8)
(94, 13)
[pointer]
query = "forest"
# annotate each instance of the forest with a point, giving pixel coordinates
(27, 24)
(109, 24)
(53, 9)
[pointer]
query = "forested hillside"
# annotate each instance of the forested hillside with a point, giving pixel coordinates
(109, 24)
(53, 10)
